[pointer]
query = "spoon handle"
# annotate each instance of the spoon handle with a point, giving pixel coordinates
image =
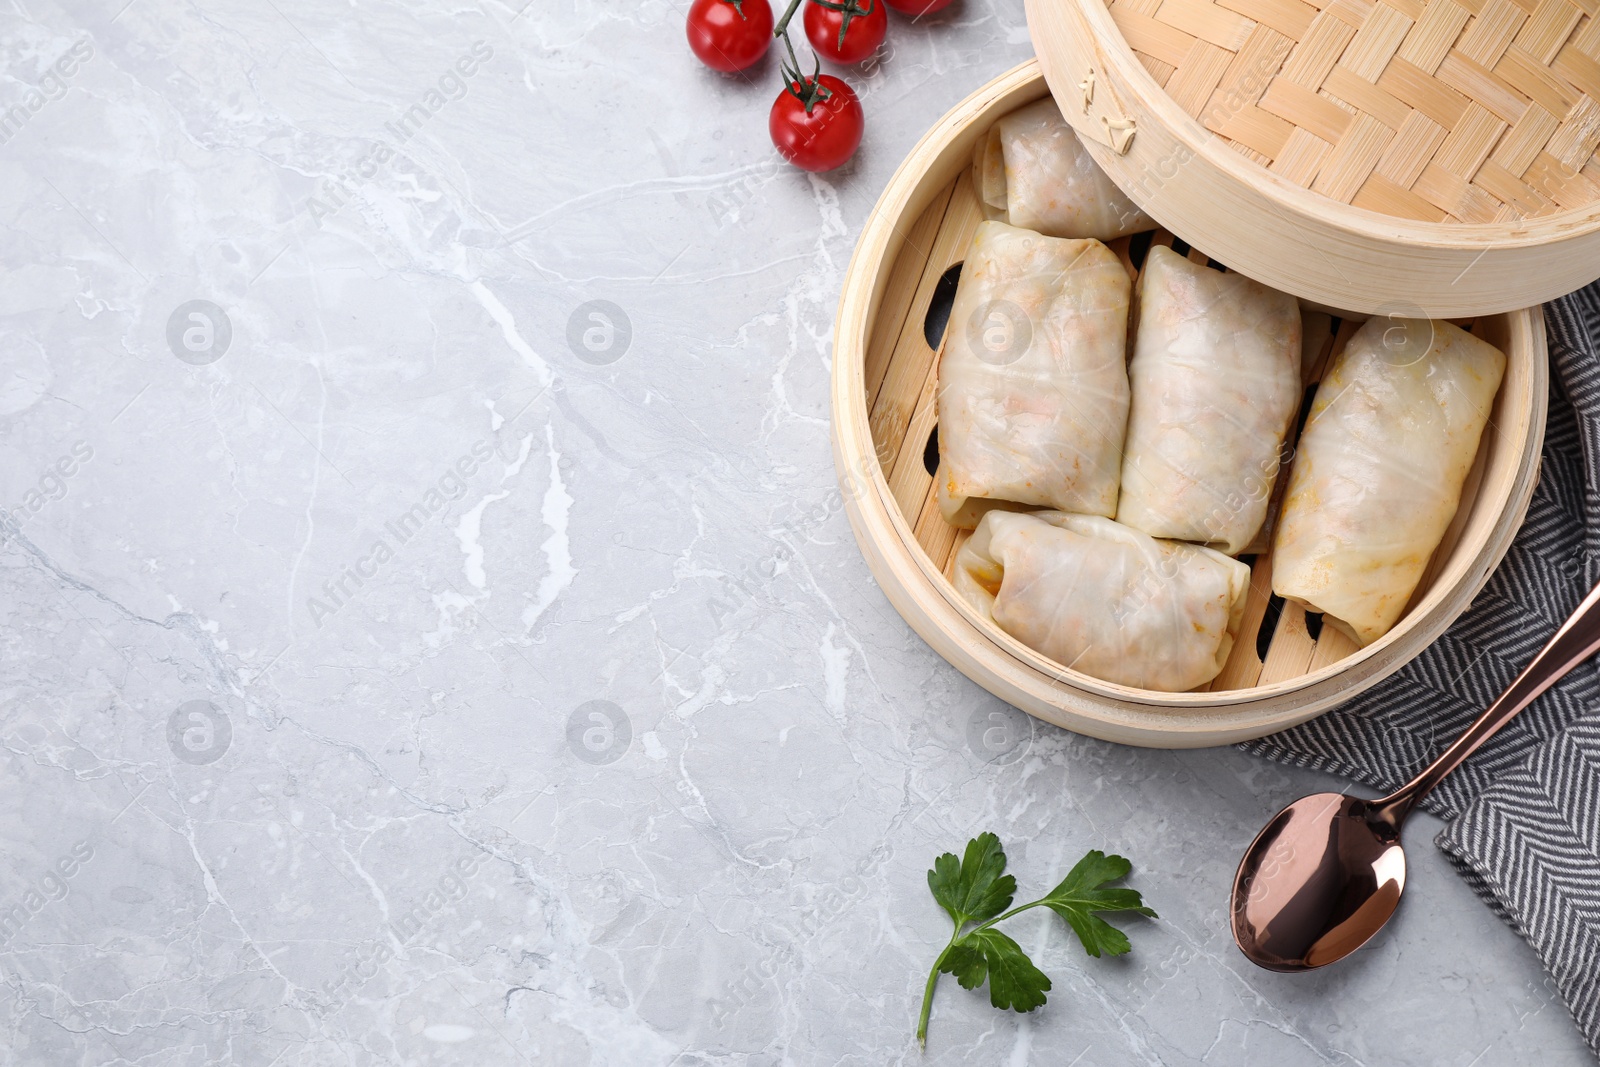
(1576, 641)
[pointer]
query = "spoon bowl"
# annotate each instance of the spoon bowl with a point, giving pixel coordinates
(1327, 872)
(1318, 881)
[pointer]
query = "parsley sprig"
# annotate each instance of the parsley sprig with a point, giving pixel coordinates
(976, 890)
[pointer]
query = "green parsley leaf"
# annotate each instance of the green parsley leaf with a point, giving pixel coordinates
(1014, 982)
(1082, 894)
(975, 887)
(966, 962)
(976, 892)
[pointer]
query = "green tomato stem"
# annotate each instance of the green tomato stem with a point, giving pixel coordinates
(783, 24)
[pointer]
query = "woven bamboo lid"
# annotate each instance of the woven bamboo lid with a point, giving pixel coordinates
(1366, 155)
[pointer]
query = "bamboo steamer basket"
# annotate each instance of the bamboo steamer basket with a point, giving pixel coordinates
(1349, 151)
(1284, 669)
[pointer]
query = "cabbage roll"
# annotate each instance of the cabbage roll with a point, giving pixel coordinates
(1033, 383)
(1031, 170)
(968, 511)
(1105, 599)
(1215, 377)
(989, 174)
(1378, 472)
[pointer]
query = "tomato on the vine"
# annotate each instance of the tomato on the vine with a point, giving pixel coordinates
(816, 122)
(918, 8)
(730, 35)
(846, 31)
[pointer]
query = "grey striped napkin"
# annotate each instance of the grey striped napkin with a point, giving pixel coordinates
(1524, 812)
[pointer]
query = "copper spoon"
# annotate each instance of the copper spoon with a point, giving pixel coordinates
(1326, 873)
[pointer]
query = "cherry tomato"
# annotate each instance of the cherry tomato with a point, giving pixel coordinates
(827, 136)
(917, 8)
(846, 44)
(730, 36)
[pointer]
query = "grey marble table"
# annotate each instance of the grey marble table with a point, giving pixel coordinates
(407, 660)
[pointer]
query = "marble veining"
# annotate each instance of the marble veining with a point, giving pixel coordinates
(431, 630)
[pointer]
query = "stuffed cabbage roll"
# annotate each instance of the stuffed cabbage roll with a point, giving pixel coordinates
(968, 511)
(1378, 472)
(1031, 170)
(1105, 599)
(1215, 377)
(1033, 383)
